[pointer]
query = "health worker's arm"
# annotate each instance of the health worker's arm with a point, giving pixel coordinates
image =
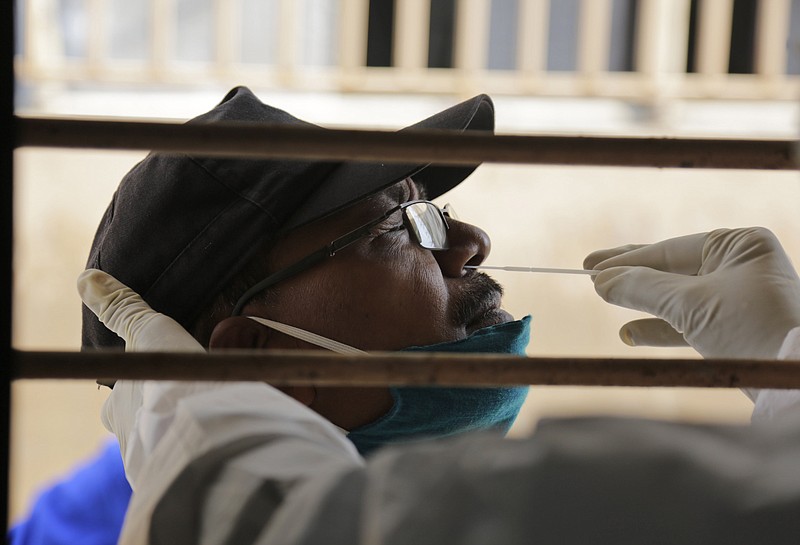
(729, 293)
(773, 404)
(208, 462)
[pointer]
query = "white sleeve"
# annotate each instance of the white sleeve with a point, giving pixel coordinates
(590, 480)
(773, 404)
(197, 453)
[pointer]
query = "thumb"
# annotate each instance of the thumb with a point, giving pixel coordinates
(124, 312)
(651, 332)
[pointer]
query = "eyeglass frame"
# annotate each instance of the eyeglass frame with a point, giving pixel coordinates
(340, 243)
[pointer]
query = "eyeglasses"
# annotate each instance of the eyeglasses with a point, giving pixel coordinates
(423, 219)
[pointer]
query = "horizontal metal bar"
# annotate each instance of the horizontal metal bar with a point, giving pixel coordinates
(321, 368)
(249, 140)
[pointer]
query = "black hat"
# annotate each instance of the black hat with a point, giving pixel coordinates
(180, 227)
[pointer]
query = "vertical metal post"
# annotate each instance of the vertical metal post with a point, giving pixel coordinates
(772, 35)
(594, 39)
(412, 21)
(6, 209)
(353, 25)
(471, 41)
(714, 37)
(532, 43)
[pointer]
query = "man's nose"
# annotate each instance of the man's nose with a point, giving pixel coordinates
(469, 245)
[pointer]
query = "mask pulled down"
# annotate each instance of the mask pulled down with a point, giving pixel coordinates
(421, 413)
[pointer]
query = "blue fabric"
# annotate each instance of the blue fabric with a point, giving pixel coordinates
(424, 413)
(86, 507)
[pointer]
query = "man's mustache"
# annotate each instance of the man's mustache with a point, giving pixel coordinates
(479, 294)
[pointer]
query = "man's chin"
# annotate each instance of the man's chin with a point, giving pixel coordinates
(492, 317)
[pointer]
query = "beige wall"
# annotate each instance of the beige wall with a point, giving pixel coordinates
(59, 198)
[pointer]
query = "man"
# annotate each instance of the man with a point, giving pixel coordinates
(360, 257)
(349, 251)
(239, 463)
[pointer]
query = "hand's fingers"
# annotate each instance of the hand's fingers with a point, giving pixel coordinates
(681, 255)
(651, 332)
(110, 300)
(735, 247)
(598, 256)
(160, 333)
(125, 313)
(117, 306)
(658, 293)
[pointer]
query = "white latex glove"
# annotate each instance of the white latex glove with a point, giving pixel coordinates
(727, 293)
(124, 312)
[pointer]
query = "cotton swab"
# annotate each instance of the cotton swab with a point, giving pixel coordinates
(534, 269)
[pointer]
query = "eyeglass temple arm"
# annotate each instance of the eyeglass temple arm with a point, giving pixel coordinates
(311, 259)
(279, 276)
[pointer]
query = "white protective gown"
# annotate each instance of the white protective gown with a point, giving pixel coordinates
(240, 463)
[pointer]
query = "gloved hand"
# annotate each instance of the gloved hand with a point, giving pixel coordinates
(727, 293)
(124, 312)
(143, 329)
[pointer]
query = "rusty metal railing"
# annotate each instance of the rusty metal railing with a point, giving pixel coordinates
(249, 140)
(297, 367)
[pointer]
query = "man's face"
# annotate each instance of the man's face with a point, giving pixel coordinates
(385, 292)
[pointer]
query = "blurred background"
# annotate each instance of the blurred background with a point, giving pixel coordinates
(682, 68)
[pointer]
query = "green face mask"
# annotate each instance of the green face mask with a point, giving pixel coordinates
(427, 413)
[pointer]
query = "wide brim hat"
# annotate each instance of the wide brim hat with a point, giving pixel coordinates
(179, 227)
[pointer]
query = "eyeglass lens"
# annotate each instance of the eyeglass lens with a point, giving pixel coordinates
(428, 225)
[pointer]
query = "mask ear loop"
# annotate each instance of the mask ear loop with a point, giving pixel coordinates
(312, 338)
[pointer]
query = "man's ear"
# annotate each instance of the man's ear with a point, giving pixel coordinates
(244, 333)
(239, 332)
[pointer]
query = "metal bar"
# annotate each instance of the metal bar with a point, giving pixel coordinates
(772, 34)
(285, 367)
(97, 46)
(533, 32)
(248, 140)
(594, 37)
(287, 40)
(662, 37)
(227, 36)
(353, 23)
(43, 49)
(163, 31)
(412, 21)
(472, 36)
(7, 120)
(714, 36)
